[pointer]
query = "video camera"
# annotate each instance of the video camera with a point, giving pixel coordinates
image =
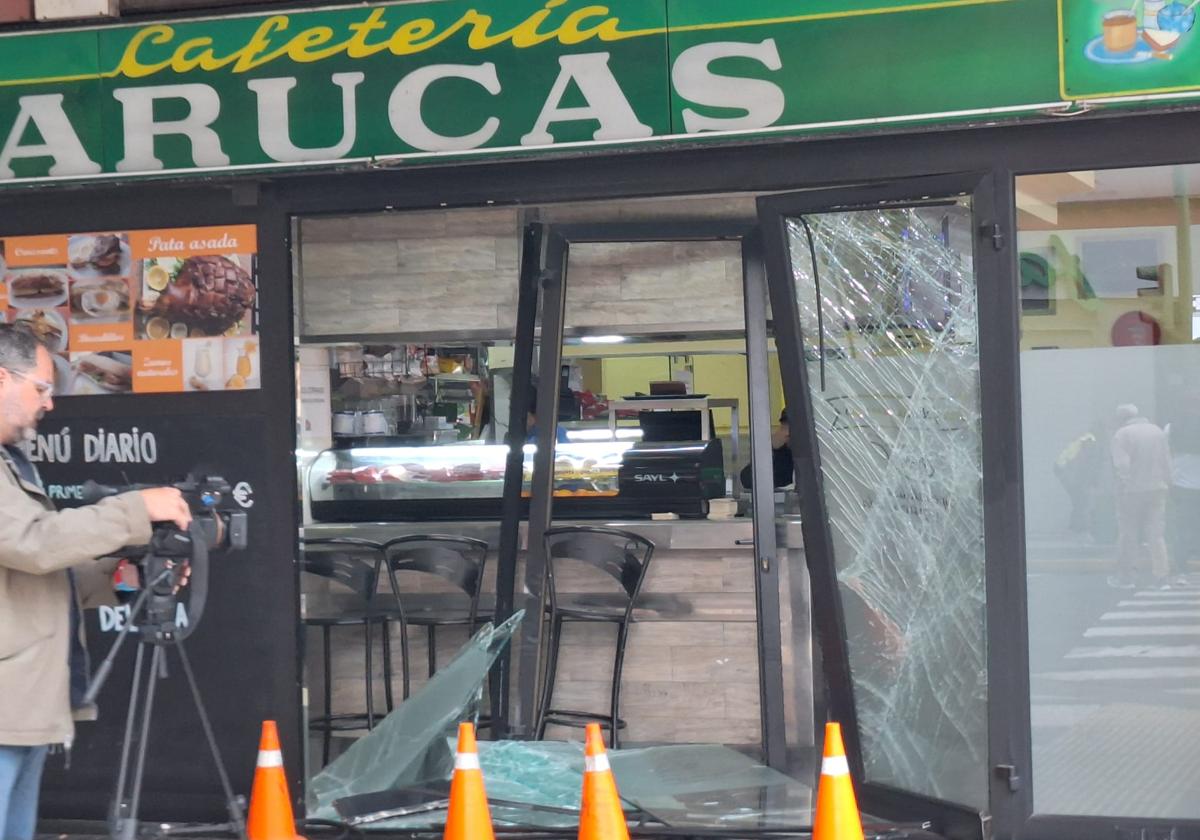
(217, 526)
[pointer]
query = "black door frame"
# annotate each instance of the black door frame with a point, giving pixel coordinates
(1008, 733)
(550, 261)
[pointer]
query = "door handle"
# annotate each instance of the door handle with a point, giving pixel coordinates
(1009, 773)
(749, 541)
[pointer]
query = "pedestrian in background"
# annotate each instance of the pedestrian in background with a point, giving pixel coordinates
(1142, 466)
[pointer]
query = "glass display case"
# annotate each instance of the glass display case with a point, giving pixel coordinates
(466, 480)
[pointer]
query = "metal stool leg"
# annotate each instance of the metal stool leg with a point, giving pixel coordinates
(404, 671)
(615, 700)
(556, 625)
(387, 664)
(368, 674)
(432, 653)
(328, 719)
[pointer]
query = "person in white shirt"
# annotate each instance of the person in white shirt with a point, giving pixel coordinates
(1142, 466)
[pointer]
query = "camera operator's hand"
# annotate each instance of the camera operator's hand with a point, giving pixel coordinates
(183, 576)
(128, 578)
(166, 504)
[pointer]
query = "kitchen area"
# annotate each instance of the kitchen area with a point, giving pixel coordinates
(408, 365)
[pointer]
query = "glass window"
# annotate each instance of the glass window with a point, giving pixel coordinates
(887, 308)
(1110, 390)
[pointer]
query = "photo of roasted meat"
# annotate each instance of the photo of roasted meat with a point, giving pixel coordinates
(101, 253)
(212, 293)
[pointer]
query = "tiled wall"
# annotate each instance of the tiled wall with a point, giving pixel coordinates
(458, 270)
(409, 272)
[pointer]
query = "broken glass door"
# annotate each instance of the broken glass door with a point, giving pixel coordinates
(875, 312)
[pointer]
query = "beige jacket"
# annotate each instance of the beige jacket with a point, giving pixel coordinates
(37, 546)
(1141, 457)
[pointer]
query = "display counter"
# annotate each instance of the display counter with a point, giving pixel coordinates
(734, 534)
(466, 480)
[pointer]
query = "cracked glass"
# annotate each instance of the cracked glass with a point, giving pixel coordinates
(887, 306)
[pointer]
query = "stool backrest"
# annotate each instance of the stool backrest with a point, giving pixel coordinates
(457, 560)
(353, 562)
(622, 555)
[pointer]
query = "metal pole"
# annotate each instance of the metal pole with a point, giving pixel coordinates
(533, 260)
(766, 566)
(542, 486)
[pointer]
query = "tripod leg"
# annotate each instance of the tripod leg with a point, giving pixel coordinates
(120, 803)
(130, 825)
(231, 803)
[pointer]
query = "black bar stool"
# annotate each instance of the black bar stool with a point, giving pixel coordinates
(457, 560)
(355, 564)
(622, 555)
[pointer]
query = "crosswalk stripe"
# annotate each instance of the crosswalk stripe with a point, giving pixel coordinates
(1167, 594)
(1140, 630)
(1136, 651)
(1122, 674)
(1110, 616)
(1180, 602)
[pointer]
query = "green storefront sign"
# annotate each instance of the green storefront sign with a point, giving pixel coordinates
(514, 76)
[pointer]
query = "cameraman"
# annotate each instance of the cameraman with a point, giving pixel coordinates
(47, 571)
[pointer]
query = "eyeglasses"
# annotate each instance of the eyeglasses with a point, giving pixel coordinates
(45, 389)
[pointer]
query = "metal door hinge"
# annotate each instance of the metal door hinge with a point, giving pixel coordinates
(993, 231)
(1009, 773)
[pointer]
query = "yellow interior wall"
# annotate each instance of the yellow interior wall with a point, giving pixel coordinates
(625, 376)
(717, 375)
(776, 381)
(725, 377)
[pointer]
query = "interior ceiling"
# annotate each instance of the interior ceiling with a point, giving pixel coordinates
(1039, 197)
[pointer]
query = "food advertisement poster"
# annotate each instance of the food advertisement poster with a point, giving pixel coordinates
(139, 311)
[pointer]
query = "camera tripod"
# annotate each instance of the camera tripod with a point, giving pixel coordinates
(156, 605)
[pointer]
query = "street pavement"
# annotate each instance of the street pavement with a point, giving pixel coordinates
(1115, 697)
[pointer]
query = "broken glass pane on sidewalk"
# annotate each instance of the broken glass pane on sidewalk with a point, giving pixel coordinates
(397, 776)
(411, 745)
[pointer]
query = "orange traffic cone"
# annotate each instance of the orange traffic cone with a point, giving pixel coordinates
(837, 810)
(600, 816)
(468, 818)
(270, 807)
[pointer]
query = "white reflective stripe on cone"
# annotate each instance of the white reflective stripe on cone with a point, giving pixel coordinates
(596, 763)
(835, 765)
(466, 761)
(270, 758)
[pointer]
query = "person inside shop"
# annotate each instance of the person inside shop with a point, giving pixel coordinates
(783, 468)
(48, 570)
(531, 419)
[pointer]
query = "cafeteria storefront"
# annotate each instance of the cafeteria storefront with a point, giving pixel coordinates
(442, 268)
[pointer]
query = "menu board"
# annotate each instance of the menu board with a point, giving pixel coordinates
(139, 311)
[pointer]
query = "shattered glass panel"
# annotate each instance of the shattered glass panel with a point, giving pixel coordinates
(889, 328)
(704, 785)
(537, 784)
(413, 744)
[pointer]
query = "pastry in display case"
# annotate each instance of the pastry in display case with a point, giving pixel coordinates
(466, 481)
